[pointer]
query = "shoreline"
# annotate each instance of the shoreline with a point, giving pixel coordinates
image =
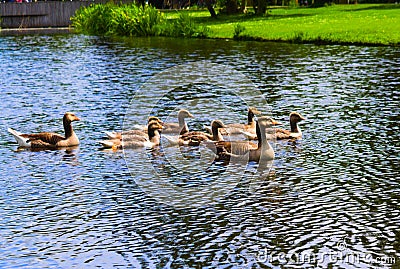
(35, 31)
(69, 30)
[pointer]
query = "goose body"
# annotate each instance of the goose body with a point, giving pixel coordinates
(195, 138)
(49, 140)
(137, 141)
(240, 151)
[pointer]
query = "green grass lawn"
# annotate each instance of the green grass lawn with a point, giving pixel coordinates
(370, 24)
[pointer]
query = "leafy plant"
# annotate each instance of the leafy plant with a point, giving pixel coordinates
(133, 20)
(184, 26)
(238, 31)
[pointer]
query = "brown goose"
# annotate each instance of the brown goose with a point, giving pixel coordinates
(194, 138)
(239, 150)
(137, 141)
(49, 140)
(295, 132)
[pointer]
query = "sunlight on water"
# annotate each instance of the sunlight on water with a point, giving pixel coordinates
(335, 192)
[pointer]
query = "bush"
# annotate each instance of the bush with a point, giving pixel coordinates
(238, 31)
(184, 26)
(93, 19)
(133, 20)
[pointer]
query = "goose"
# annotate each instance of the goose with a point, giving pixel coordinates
(240, 151)
(118, 135)
(173, 128)
(195, 138)
(295, 132)
(49, 140)
(137, 141)
(237, 128)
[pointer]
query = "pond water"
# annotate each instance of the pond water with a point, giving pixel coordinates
(330, 200)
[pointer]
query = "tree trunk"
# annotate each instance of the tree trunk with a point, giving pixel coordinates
(261, 7)
(231, 7)
(210, 8)
(243, 6)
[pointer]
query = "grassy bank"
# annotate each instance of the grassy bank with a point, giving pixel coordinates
(370, 24)
(364, 24)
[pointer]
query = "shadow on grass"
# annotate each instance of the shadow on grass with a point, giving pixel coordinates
(223, 19)
(378, 7)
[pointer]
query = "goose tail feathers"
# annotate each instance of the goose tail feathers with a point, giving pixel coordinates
(22, 141)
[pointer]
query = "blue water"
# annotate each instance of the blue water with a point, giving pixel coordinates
(331, 199)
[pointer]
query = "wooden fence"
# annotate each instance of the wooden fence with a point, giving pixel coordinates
(40, 14)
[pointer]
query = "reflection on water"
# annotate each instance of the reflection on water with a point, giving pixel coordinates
(333, 192)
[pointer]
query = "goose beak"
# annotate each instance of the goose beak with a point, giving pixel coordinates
(190, 115)
(77, 119)
(302, 118)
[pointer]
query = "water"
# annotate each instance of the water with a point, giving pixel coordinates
(332, 198)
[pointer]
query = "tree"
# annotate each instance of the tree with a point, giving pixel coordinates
(231, 7)
(210, 8)
(260, 6)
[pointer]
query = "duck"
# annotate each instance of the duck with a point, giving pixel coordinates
(119, 135)
(237, 128)
(47, 139)
(294, 132)
(195, 138)
(173, 128)
(137, 141)
(244, 151)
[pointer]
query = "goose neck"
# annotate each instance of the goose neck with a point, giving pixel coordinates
(294, 128)
(182, 125)
(250, 117)
(67, 128)
(155, 137)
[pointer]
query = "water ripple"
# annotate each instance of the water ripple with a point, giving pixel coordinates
(81, 208)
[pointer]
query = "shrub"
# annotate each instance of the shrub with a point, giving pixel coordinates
(133, 20)
(93, 19)
(184, 26)
(238, 31)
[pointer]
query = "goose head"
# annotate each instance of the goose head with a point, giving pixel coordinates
(154, 119)
(266, 122)
(254, 111)
(250, 115)
(296, 117)
(183, 113)
(217, 124)
(154, 126)
(70, 117)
